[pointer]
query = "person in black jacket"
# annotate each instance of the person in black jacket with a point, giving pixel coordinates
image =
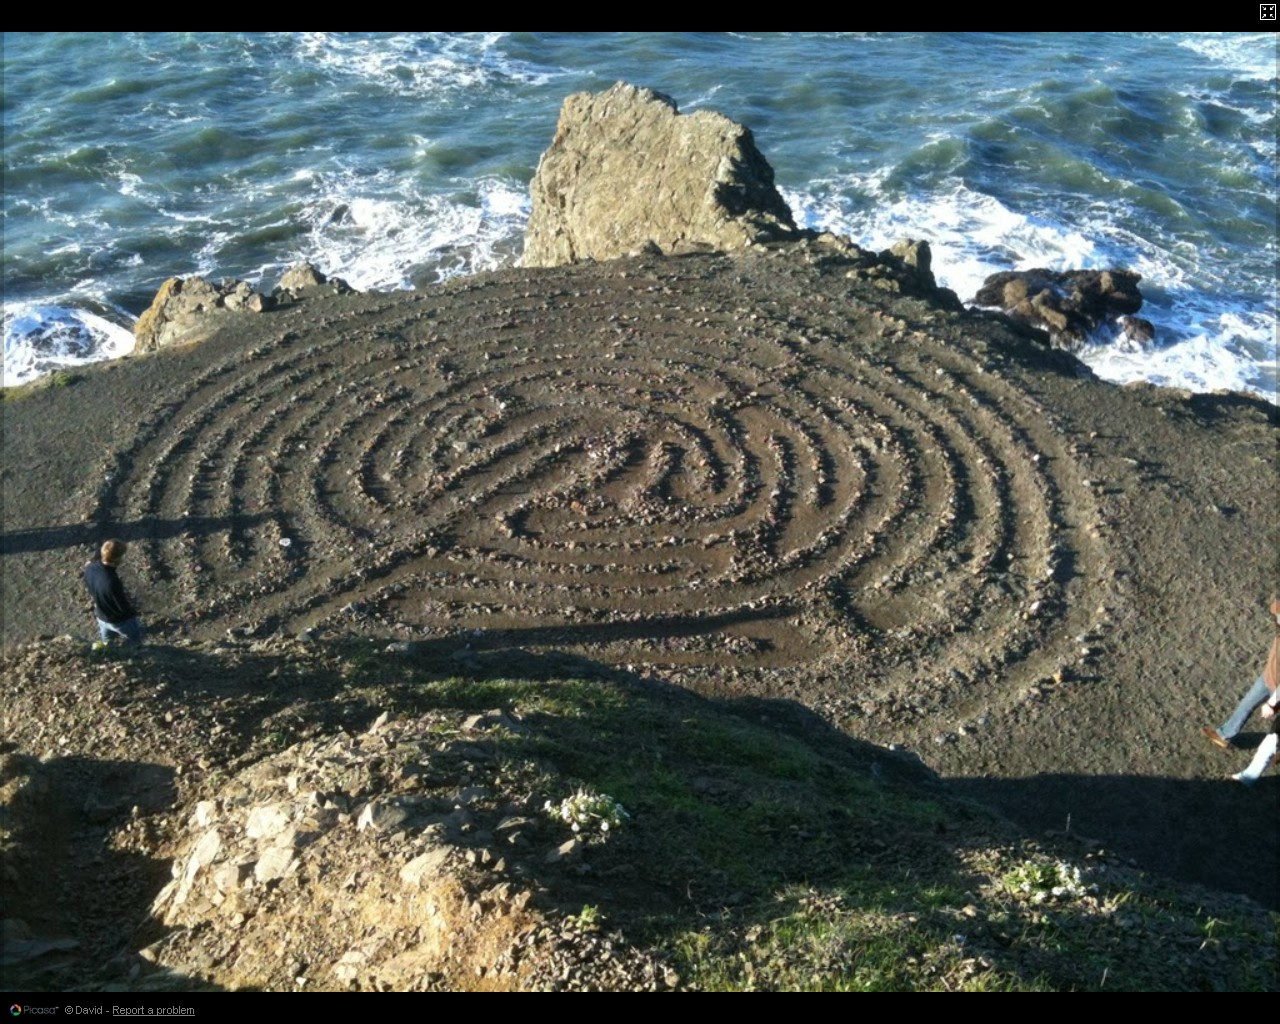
(115, 612)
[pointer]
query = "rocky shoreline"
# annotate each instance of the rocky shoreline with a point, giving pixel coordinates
(795, 474)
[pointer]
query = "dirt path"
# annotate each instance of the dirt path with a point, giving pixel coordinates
(755, 477)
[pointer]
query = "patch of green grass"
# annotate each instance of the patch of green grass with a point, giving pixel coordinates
(56, 379)
(829, 940)
(738, 745)
(62, 379)
(276, 739)
(589, 917)
(653, 786)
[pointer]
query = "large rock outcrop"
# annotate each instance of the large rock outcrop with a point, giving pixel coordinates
(627, 171)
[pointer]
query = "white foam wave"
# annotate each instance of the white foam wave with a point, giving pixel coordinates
(1201, 363)
(425, 64)
(701, 100)
(972, 235)
(1205, 341)
(40, 338)
(1252, 55)
(130, 183)
(389, 240)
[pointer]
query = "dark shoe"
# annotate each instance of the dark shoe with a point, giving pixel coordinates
(1215, 737)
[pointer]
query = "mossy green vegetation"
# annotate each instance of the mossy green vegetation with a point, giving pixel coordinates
(57, 379)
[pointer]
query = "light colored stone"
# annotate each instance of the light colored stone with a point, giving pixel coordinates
(203, 853)
(267, 821)
(273, 864)
(230, 877)
(626, 172)
(190, 309)
(301, 276)
(424, 865)
(205, 813)
(569, 850)
(489, 719)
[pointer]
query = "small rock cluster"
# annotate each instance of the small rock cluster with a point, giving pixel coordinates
(305, 279)
(1069, 304)
(906, 268)
(190, 309)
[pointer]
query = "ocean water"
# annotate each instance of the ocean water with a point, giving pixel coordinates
(398, 160)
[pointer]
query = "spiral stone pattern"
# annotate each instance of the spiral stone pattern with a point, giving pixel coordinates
(733, 462)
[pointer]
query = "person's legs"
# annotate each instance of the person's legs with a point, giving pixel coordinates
(1261, 758)
(1258, 692)
(130, 631)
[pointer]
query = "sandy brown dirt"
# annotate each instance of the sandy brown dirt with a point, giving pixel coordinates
(750, 476)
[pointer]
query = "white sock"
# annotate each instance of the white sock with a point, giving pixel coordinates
(1261, 758)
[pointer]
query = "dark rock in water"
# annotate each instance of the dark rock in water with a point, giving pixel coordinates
(1068, 304)
(190, 309)
(627, 172)
(1137, 329)
(305, 278)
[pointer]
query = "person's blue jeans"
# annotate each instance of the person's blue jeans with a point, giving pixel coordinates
(1256, 695)
(130, 630)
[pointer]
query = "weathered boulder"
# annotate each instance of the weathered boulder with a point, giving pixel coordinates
(909, 263)
(915, 253)
(306, 279)
(1137, 330)
(1069, 304)
(627, 171)
(190, 309)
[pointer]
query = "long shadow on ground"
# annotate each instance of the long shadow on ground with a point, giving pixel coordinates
(791, 848)
(75, 901)
(90, 535)
(1214, 833)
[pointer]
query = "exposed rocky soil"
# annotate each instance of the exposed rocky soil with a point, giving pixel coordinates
(778, 476)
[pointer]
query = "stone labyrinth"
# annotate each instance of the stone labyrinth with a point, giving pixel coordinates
(665, 462)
